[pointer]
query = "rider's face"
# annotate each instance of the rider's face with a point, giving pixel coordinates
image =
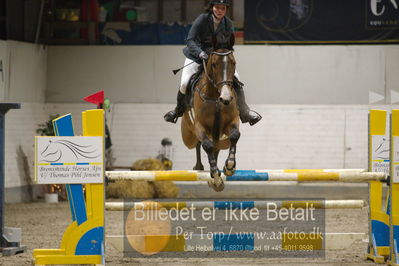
(219, 11)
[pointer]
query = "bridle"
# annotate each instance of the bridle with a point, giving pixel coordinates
(223, 82)
(217, 85)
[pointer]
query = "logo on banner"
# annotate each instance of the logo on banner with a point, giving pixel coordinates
(383, 14)
(380, 154)
(283, 15)
(58, 150)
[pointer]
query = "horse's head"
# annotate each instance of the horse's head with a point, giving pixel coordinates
(51, 153)
(221, 68)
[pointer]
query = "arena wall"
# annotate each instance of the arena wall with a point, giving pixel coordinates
(314, 100)
(23, 79)
(315, 74)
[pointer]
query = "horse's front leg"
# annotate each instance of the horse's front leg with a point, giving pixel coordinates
(217, 182)
(230, 164)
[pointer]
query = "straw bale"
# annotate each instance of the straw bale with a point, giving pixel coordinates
(130, 189)
(165, 189)
(143, 189)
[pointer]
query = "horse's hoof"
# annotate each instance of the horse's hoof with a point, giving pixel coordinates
(229, 168)
(217, 188)
(228, 172)
(217, 182)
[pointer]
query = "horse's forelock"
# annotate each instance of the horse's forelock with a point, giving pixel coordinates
(216, 60)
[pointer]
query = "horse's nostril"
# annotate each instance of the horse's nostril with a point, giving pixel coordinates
(225, 102)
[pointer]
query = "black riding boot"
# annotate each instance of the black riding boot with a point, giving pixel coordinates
(246, 115)
(173, 115)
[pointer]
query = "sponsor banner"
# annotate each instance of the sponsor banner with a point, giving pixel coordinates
(329, 21)
(69, 160)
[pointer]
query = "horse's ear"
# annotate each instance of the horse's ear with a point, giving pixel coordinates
(232, 41)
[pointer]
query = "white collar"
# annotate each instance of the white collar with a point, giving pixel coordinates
(215, 20)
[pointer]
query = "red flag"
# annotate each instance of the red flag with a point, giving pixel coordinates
(96, 98)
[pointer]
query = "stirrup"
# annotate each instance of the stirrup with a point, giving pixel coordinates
(168, 115)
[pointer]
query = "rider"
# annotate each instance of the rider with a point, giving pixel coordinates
(199, 44)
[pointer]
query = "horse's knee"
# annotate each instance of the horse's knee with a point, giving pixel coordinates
(235, 135)
(208, 146)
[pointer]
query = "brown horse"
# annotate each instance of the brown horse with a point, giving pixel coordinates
(213, 121)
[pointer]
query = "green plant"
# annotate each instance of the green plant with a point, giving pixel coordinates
(46, 128)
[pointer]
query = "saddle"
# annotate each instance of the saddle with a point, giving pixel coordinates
(191, 87)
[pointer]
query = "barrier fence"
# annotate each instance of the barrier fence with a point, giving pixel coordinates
(248, 175)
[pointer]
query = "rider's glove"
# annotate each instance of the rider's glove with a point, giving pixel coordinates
(203, 55)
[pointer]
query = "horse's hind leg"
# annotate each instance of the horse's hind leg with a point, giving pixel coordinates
(198, 166)
(230, 164)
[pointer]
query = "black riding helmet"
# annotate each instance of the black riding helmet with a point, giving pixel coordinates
(220, 2)
(217, 2)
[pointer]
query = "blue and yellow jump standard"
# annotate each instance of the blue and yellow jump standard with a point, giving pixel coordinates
(378, 248)
(83, 240)
(394, 192)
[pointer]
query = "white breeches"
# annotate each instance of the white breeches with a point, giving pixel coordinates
(188, 71)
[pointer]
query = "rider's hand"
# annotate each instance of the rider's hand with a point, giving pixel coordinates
(203, 55)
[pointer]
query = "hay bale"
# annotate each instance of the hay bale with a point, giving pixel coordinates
(148, 164)
(165, 189)
(130, 189)
(143, 189)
